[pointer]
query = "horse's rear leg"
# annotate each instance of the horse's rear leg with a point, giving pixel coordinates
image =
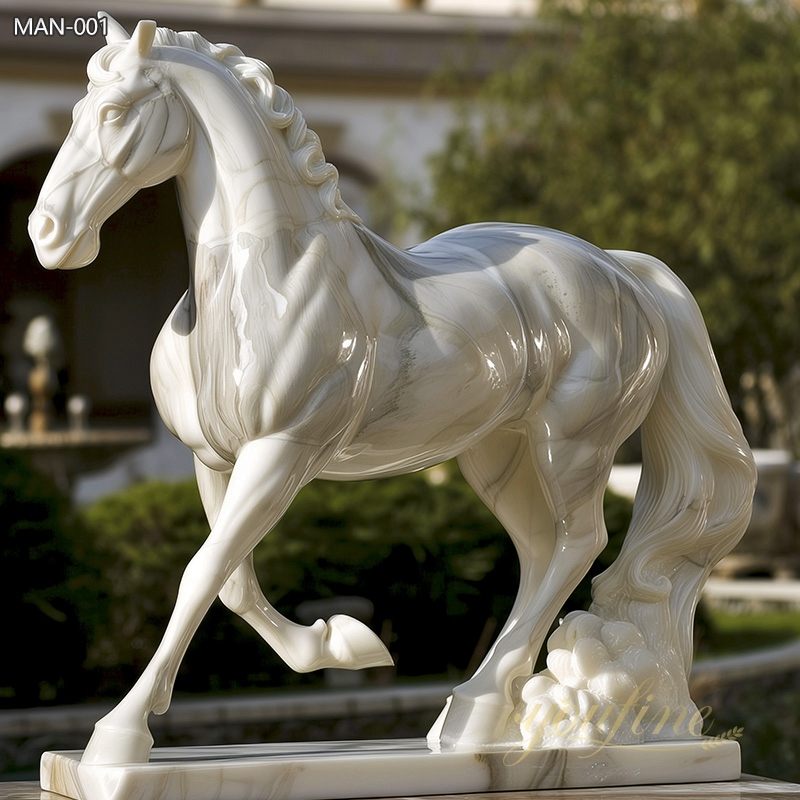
(547, 491)
(341, 642)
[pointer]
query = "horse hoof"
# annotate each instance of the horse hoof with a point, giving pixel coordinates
(434, 737)
(110, 745)
(353, 645)
(469, 723)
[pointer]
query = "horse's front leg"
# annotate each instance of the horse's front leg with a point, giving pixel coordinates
(340, 642)
(268, 474)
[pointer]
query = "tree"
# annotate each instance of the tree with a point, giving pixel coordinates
(660, 129)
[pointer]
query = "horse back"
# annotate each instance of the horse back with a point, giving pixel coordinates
(501, 317)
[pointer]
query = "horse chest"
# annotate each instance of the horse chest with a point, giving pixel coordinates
(175, 391)
(216, 391)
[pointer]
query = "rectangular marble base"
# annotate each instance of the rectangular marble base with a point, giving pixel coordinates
(380, 768)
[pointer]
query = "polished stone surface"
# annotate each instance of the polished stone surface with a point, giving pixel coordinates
(325, 771)
(748, 788)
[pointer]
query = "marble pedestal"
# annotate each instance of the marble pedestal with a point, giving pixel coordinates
(379, 768)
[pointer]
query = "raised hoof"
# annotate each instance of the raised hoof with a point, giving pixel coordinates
(352, 645)
(109, 745)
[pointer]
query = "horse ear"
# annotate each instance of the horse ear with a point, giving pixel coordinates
(114, 31)
(142, 37)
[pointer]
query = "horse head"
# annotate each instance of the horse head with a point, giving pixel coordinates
(131, 130)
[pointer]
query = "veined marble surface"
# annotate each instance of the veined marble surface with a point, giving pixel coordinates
(328, 770)
(747, 788)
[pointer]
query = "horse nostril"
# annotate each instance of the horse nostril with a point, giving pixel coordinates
(47, 227)
(44, 227)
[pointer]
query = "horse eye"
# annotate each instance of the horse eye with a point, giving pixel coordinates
(111, 113)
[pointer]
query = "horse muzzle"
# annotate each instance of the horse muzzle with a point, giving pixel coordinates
(57, 247)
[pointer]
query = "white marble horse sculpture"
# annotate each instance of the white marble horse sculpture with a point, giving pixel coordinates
(306, 347)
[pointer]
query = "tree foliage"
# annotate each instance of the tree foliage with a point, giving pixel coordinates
(658, 128)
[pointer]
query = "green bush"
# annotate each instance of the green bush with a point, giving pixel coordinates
(41, 590)
(436, 564)
(139, 541)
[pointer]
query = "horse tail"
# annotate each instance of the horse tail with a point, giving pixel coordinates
(698, 479)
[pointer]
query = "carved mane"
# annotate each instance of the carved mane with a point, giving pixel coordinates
(275, 103)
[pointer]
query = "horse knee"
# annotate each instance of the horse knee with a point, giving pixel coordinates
(599, 542)
(202, 580)
(589, 541)
(235, 597)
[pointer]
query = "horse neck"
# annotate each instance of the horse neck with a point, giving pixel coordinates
(239, 178)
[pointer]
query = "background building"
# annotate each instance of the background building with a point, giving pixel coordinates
(360, 70)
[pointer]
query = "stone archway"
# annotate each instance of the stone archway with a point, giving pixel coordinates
(109, 313)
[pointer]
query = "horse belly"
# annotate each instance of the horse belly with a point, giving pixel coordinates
(438, 426)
